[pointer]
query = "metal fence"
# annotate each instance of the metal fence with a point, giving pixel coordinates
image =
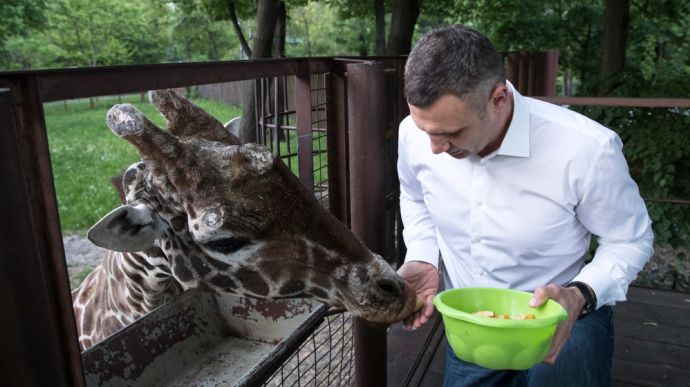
(335, 112)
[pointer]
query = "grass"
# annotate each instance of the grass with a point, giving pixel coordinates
(85, 154)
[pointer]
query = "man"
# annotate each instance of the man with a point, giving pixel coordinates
(507, 190)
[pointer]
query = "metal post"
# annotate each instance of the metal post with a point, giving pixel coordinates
(304, 121)
(337, 146)
(366, 104)
(38, 341)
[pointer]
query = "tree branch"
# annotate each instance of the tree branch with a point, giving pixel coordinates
(238, 29)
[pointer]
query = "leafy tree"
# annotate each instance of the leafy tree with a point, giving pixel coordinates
(19, 19)
(616, 15)
(196, 36)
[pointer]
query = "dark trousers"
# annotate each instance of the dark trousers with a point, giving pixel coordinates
(585, 361)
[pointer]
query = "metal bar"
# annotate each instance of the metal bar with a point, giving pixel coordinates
(366, 104)
(337, 148)
(268, 366)
(277, 105)
(668, 201)
(38, 341)
(304, 121)
(403, 111)
(93, 81)
(618, 102)
(550, 72)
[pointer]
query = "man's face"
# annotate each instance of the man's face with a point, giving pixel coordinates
(460, 129)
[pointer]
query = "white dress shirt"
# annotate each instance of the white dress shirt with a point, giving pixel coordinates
(521, 217)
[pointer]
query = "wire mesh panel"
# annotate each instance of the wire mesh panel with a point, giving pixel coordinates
(326, 358)
(276, 125)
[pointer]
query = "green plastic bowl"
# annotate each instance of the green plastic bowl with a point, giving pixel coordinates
(496, 343)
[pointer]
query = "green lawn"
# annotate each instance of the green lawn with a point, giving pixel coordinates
(85, 154)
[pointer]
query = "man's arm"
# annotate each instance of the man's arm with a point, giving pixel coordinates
(611, 208)
(420, 269)
(419, 230)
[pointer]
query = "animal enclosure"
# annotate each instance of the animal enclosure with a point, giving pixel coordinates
(339, 107)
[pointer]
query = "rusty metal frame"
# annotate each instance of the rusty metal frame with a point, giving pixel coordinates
(365, 99)
(39, 343)
(43, 332)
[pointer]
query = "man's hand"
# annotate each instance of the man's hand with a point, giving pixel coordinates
(423, 278)
(572, 300)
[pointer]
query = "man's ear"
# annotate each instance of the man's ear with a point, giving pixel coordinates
(499, 95)
(126, 229)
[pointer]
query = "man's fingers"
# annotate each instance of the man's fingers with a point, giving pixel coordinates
(539, 297)
(428, 308)
(559, 339)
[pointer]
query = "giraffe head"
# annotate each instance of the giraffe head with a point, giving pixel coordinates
(233, 218)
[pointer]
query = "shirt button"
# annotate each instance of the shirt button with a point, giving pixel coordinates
(478, 203)
(482, 273)
(476, 239)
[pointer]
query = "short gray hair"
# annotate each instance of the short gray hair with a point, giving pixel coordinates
(453, 60)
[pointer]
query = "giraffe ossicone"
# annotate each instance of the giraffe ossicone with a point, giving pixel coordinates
(204, 211)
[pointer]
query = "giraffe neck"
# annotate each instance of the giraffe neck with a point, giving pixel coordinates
(249, 271)
(124, 287)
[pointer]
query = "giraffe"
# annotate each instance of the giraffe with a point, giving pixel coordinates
(205, 211)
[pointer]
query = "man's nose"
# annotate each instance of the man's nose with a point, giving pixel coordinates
(439, 145)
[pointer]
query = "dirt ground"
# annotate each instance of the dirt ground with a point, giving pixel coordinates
(668, 269)
(82, 257)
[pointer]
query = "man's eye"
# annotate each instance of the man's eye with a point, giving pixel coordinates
(227, 245)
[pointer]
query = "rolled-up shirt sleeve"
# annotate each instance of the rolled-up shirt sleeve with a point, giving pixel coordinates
(419, 231)
(612, 209)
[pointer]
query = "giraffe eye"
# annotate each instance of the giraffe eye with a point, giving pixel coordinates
(227, 245)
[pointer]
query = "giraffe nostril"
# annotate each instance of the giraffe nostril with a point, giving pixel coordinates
(388, 287)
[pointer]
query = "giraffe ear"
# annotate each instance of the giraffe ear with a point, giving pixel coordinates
(126, 228)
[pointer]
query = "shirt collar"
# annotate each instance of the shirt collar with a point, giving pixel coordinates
(516, 141)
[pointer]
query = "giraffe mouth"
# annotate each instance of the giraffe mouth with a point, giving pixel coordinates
(394, 306)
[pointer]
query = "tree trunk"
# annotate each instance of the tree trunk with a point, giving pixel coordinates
(266, 16)
(238, 30)
(615, 39)
(279, 52)
(380, 12)
(279, 49)
(403, 20)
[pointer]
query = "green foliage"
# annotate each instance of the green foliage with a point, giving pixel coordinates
(657, 148)
(85, 155)
(201, 32)
(316, 29)
(19, 17)
(573, 27)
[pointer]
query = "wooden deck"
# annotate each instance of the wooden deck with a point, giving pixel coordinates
(652, 344)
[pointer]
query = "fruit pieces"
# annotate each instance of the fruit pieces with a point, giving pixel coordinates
(488, 313)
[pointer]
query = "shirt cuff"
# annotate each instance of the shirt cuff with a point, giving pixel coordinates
(606, 287)
(423, 254)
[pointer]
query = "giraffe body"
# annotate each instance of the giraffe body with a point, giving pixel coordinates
(204, 211)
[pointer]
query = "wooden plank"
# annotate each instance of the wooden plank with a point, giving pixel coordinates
(436, 370)
(653, 353)
(412, 353)
(652, 314)
(659, 297)
(660, 333)
(631, 373)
